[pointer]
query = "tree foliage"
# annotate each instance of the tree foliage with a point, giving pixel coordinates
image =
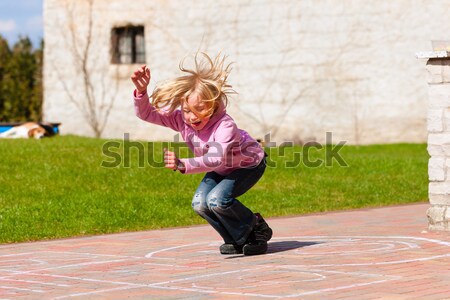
(20, 81)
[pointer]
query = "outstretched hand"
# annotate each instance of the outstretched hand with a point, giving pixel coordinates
(141, 78)
(170, 159)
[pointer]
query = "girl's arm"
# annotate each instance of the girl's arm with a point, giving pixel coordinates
(145, 111)
(141, 79)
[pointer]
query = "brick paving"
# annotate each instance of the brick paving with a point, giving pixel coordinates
(383, 253)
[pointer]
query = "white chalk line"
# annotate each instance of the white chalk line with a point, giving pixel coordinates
(208, 291)
(151, 254)
(92, 254)
(157, 285)
(95, 292)
(408, 245)
(389, 246)
(215, 291)
(352, 239)
(439, 242)
(127, 258)
(70, 252)
(444, 243)
(17, 254)
(203, 276)
(127, 284)
(23, 261)
(384, 246)
(91, 263)
(340, 238)
(386, 278)
(171, 266)
(34, 282)
(262, 283)
(20, 289)
(77, 278)
(320, 291)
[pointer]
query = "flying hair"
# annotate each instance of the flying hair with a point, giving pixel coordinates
(208, 80)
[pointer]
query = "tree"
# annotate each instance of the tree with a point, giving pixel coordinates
(5, 56)
(21, 78)
(38, 94)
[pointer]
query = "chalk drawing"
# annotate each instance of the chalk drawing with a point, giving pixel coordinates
(305, 268)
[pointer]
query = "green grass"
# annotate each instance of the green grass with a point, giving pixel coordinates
(56, 187)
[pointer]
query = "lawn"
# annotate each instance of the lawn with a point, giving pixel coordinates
(72, 186)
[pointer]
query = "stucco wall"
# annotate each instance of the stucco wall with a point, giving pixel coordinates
(301, 68)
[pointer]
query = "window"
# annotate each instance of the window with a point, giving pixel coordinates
(128, 46)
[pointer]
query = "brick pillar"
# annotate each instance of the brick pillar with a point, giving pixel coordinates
(438, 123)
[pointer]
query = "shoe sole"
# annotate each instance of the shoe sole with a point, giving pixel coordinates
(230, 250)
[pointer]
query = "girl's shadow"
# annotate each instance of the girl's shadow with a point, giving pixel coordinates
(275, 247)
(282, 246)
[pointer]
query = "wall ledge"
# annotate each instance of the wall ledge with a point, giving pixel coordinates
(433, 54)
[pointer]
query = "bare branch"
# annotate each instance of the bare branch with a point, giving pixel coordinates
(93, 104)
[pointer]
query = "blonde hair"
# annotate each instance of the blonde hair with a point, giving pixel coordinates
(208, 80)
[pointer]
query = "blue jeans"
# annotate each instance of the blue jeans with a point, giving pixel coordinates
(215, 201)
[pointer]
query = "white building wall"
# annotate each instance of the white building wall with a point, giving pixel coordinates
(301, 68)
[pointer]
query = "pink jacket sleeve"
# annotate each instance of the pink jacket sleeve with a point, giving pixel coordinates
(219, 152)
(145, 111)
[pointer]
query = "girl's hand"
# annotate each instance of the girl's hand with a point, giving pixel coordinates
(141, 79)
(171, 160)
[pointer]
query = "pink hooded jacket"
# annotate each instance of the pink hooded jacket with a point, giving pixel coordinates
(220, 146)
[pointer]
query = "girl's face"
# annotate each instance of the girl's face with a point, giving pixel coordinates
(191, 118)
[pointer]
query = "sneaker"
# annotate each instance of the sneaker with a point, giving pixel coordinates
(256, 244)
(230, 249)
(262, 227)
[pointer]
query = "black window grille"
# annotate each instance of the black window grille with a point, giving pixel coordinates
(128, 45)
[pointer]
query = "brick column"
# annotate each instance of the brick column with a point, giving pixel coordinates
(438, 123)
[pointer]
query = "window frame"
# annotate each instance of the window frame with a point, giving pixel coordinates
(135, 55)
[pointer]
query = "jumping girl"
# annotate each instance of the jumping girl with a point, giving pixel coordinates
(194, 105)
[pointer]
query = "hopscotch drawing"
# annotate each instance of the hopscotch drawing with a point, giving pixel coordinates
(297, 267)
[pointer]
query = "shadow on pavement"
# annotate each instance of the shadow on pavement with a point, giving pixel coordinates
(275, 247)
(282, 246)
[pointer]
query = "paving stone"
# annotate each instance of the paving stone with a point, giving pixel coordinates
(380, 253)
